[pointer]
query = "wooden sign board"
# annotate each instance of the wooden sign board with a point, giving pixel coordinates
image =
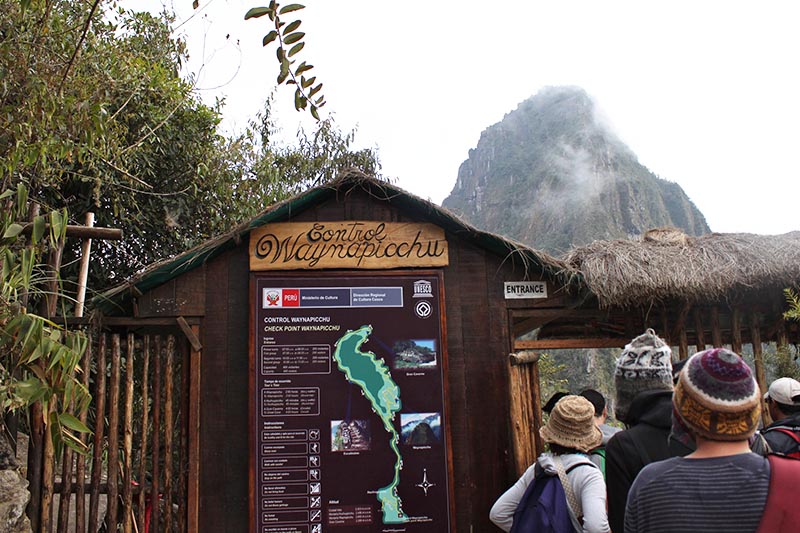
(350, 244)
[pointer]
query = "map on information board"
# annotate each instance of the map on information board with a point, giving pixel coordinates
(348, 425)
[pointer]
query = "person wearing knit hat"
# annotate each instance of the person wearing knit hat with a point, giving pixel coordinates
(645, 364)
(643, 381)
(570, 433)
(783, 435)
(722, 485)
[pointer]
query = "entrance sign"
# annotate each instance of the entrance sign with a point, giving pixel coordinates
(519, 290)
(348, 408)
(353, 245)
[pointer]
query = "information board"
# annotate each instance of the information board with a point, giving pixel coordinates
(349, 419)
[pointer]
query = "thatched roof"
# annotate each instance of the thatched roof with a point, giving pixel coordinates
(665, 264)
(158, 273)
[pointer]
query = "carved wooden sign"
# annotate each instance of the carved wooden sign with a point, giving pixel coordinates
(351, 244)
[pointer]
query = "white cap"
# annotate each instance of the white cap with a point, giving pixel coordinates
(784, 390)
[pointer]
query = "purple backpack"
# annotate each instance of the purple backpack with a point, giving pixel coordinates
(544, 508)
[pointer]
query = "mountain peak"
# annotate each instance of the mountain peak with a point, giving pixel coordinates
(552, 174)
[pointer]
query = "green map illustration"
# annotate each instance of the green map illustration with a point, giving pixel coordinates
(370, 373)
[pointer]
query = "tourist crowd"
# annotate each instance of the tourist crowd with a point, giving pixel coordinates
(691, 457)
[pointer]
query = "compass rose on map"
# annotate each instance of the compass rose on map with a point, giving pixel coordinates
(425, 484)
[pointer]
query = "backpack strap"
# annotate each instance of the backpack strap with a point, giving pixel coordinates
(781, 512)
(792, 432)
(573, 502)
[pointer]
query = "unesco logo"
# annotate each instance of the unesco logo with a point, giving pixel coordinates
(423, 309)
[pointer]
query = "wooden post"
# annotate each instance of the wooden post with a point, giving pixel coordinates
(113, 435)
(48, 471)
(127, 482)
(183, 447)
(168, 431)
(521, 411)
(83, 274)
(716, 331)
(140, 520)
(736, 330)
(193, 496)
(99, 426)
(700, 343)
(156, 453)
(758, 356)
(80, 461)
(66, 486)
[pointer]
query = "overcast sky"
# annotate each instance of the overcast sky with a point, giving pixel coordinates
(707, 94)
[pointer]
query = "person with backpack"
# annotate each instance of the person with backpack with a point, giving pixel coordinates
(722, 485)
(643, 383)
(598, 401)
(563, 491)
(782, 436)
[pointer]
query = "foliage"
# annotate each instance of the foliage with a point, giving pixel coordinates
(307, 92)
(266, 173)
(793, 299)
(550, 371)
(38, 360)
(120, 133)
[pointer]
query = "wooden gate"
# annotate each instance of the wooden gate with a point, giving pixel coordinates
(135, 476)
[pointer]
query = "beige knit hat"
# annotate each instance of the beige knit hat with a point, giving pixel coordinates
(571, 425)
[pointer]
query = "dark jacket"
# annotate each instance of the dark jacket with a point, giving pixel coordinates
(645, 441)
(778, 441)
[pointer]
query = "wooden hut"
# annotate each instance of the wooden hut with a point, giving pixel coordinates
(433, 327)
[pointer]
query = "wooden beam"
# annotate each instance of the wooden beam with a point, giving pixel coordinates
(190, 336)
(81, 232)
(523, 358)
(556, 344)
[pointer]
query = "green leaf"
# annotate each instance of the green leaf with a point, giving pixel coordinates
(72, 423)
(290, 8)
(308, 82)
(12, 231)
(303, 68)
(39, 226)
(56, 225)
(256, 12)
(296, 48)
(314, 112)
(293, 26)
(268, 38)
(315, 90)
(299, 100)
(22, 198)
(6, 194)
(293, 37)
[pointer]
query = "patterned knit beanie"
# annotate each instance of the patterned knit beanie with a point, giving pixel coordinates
(645, 364)
(571, 425)
(716, 396)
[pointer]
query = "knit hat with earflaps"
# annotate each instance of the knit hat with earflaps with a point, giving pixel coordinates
(571, 425)
(645, 364)
(716, 396)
